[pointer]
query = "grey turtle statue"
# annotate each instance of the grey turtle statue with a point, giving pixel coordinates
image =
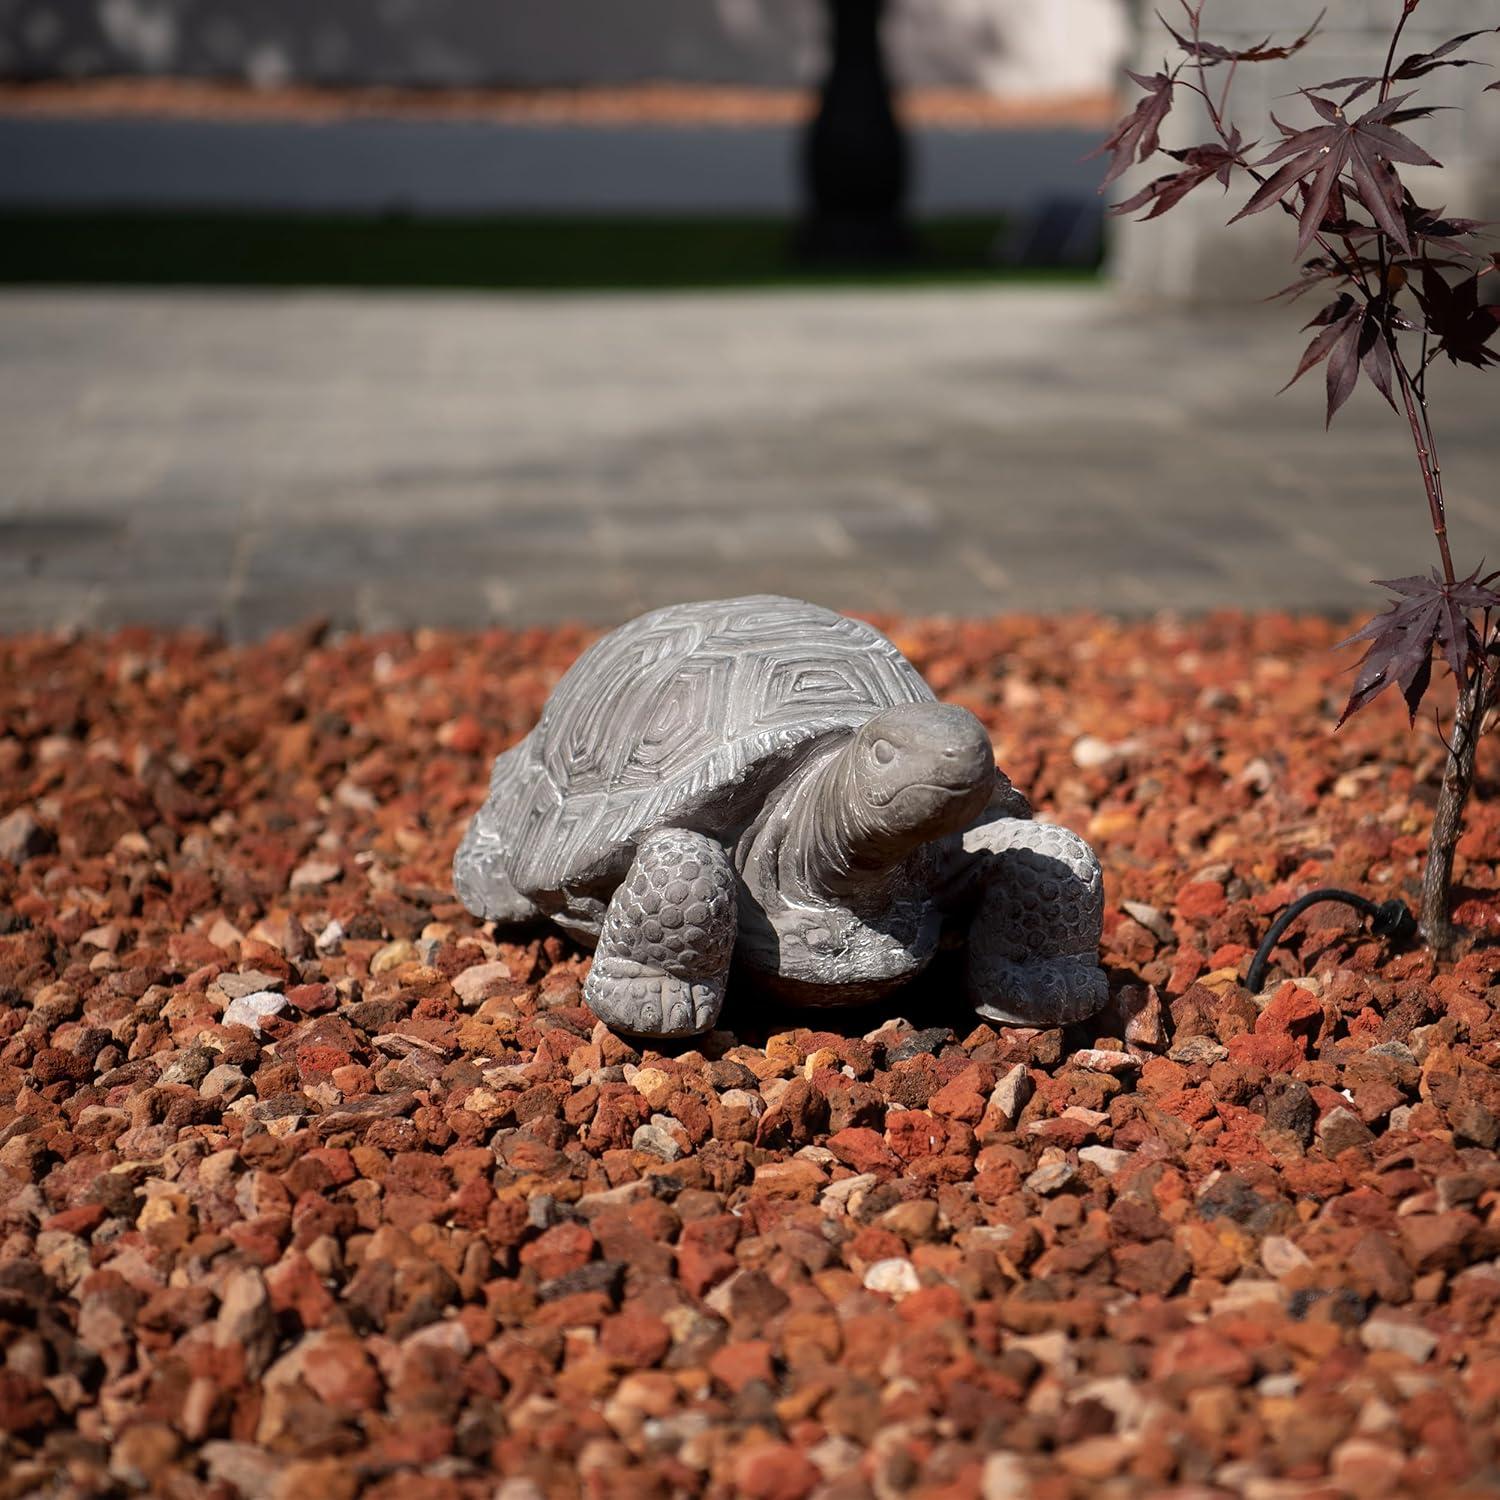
(764, 781)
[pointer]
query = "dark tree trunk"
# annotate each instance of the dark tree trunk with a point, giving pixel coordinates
(855, 154)
(1447, 819)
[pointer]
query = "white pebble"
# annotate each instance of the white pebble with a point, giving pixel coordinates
(1108, 1160)
(1051, 1178)
(1410, 1339)
(1280, 1256)
(895, 1277)
(1090, 751)
(656, 1138)
(251, 1010)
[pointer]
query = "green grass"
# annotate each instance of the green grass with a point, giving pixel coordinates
(519, 254)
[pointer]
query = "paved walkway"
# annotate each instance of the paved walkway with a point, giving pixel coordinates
(247, 460)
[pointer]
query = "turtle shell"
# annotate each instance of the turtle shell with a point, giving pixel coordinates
(685, 717)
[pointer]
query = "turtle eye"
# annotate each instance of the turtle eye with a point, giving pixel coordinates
(883, 751)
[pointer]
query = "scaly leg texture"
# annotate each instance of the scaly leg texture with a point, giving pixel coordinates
(1033, 947)
(663, 954)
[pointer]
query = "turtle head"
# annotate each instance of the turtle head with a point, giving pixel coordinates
(912, 774)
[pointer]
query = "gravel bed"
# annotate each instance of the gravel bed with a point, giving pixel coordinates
(310, 1185)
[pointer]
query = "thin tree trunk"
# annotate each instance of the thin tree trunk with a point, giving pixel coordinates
(1447, 820)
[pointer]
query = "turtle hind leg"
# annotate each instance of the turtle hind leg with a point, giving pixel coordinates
(664, 951)
(1033, 941)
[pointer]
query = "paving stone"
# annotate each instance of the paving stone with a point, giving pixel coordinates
(952, 450)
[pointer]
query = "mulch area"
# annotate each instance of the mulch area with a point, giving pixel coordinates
(309, 1185)
(640, 104)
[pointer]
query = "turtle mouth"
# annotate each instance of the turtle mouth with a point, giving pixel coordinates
(929, 796)
(912, 788)
(958, 773)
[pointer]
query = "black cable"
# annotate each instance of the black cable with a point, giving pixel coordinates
(1390, 919)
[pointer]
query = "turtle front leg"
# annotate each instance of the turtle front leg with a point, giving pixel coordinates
(1032, 955)
(663, 955)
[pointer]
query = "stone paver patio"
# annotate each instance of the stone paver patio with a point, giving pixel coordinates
(246, 460)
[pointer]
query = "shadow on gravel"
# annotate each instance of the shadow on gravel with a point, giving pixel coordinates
(933, 1005)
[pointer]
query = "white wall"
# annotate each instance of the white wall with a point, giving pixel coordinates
(1012, 48)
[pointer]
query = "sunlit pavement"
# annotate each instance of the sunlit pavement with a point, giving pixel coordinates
(247, 460)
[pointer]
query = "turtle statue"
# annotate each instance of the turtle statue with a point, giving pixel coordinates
(767, 782)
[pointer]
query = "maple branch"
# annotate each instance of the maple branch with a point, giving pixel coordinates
(1437, 729)
(1214, 114)
(1386, 76)
(1355, 266)
(1216, 118)
(1228, 81)
(1413, 393)
(1386, 80)
(1426, 459)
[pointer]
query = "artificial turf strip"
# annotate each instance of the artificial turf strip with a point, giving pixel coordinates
(573, 254)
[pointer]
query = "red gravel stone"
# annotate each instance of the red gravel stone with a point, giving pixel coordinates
(635, 1339)
(736, 1365)
(567, 1247)
(776, 1471)
(1292, 1012)
(862, 1149)
(1200, 900)
(401, 1242)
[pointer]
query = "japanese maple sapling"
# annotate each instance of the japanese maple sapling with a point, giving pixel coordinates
(1405, 284)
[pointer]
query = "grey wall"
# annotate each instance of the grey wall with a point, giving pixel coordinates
(392, 41)
(1011, 46)
(1016, 48)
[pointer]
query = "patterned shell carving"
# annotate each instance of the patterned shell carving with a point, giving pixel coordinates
(684, 717)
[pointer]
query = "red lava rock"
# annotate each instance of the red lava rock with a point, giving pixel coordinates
(1273, 1052)
(1202, 1357)
(25, 1403)
(964, 1096)
(312, 999)
(1156, 1267)
(563, 1248)
(1185, 970)
(1063, 1132)
(635, 1339)
(1200, 900)
(81, 1220)
(1293, 1011)
(1376, 1263)
(338, 1371)
(737, 1365)
(862, 1149)
(776, 1471)
(913, 1133)
(699, 1269)
(1437, 1241)
(405, 1241)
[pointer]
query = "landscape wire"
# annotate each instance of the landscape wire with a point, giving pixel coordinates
(1392, 919)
